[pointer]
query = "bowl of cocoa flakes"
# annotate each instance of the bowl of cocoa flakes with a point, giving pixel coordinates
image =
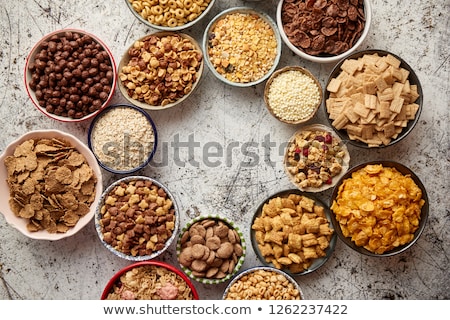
(324, 31)
(137, 218)
(70, 75)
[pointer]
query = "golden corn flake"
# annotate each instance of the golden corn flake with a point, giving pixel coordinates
(50, 184)
(379, 208)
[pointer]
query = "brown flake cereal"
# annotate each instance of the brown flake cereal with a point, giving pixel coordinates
(50, 184)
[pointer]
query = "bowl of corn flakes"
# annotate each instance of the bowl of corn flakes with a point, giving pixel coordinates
(379, 208)
(50, 182)
(149, 280)
(160, 70)
(170, 15)
(242, 46)
(292, 231)
(382, 108)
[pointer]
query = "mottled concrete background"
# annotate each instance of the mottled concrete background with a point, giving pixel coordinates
(79, 267)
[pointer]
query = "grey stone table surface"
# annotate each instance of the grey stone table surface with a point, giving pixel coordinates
(235, 119)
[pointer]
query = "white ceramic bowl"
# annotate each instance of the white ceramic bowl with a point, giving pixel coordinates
(21, 223)
(329, 58)
(169, 28)
(30, 61)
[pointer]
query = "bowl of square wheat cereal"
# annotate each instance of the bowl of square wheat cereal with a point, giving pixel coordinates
(242, 46)
(123, 138)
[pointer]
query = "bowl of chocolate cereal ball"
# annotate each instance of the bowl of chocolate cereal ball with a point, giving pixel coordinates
(123, 138)
(211, 249)
(383, 108)
(324, 31)
(49, 182)
(379, 208)
(137, 218)
(242, 46)
(170, 15)
(160, 70)
(263, 283)
(149, 280)
(293, 95)
(292, 231)
(70, 75)
(315, 158)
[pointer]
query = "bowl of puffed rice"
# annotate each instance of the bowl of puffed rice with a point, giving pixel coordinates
(149, 280)
(242, 46)
(170, 15)
(160, 70)
(293, 95)
(263, 283)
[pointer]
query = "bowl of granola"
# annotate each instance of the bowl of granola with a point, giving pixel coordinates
(49, 183)
(137, 218)
(315, 158)
(149, 280)
(242, 46)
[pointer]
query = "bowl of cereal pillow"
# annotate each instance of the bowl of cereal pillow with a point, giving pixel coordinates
(242, 46)
(211, 249)
(315, 158)
(292, 231)
(70, 75)
(123, 138)
(263, 283)
(379, 208)
(324, 31)
(160, 70)
(149, 280)
(170, 15)
(387, 108)
(137, 218)
(49, 183)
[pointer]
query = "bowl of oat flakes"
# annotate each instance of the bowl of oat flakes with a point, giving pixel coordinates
(137, 218)
(49, 184)
(123, 138)
(315, 158)
(149, 280)
(242, 46)
(160, 70)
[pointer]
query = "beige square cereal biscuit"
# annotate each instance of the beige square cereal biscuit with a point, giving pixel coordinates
(334, 85)
(396, 105)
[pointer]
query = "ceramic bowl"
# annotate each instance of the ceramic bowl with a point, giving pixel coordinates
(374, 190)
(324, 57)
(222, 246)
(123, 138)
(21, 223)
(71, 72)
(152, 90)
(402, 128)
(208, 43)
(147, 280)
(267, 255)
(157, 21)
(137, 218)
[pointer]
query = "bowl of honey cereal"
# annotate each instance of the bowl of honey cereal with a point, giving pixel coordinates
(293, 95)
(137, 218)
(292, 231)
(263, 283)
(324, 31)
(149, 280)
(160, 70)
(387, 108)
(70, 75)
(379, 208)
(315, 158)
(50, 182)
(211, 249)
(170, 15)
(242, 46)
(123, 138)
